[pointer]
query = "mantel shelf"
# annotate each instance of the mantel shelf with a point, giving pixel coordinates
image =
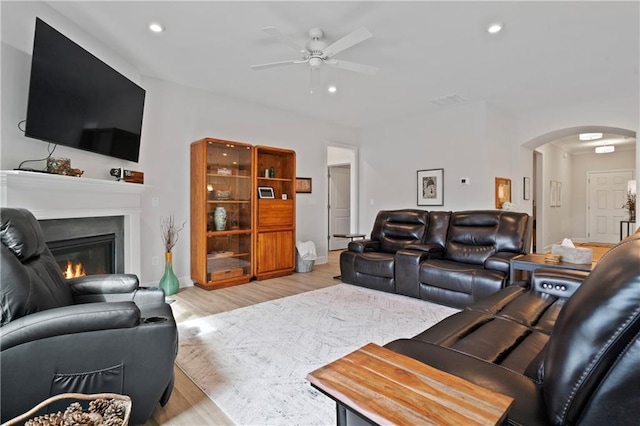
(20, 178)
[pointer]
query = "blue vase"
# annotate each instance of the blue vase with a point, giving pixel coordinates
(220, 218)
(169, 283)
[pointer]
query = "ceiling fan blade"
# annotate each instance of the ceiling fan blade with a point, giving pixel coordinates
(276, 64)
(275, 33)
(351, 39)
(352, 66)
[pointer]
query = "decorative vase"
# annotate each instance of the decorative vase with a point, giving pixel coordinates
(220, 218)
(169, 282)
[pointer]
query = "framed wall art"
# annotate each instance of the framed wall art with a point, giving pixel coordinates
(526, 188)
(503, 191)
(265, 192)
(430, 187)
(303, 185)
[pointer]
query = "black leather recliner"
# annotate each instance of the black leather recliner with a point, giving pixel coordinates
(567, 349)
(371, 263)
(94, 334)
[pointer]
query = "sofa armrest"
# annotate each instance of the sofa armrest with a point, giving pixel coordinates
(528, 407)
(69, 320)
(500, 261)
(361, 246)
(430, 251)
(104, 284)
(557, 282)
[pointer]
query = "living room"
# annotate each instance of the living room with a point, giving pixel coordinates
(477, 138)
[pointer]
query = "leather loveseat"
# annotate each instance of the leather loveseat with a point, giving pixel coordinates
(93, 334)
(567, 348)
(451, 258)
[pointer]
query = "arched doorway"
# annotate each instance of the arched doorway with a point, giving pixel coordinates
(561, 197)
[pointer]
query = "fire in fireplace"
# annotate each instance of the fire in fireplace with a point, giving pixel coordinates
(87, 245)
(85, 256)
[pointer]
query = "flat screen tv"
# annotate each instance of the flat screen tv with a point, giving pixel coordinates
(77, 100)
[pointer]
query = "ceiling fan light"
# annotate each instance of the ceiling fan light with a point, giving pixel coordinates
(590, 136)
(605, 149)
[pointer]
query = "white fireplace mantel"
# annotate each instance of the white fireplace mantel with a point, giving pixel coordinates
(50, 196)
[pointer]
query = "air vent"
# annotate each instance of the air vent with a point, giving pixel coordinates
(448, 100)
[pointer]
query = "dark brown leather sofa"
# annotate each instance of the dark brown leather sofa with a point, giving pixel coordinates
(451, 258)
(567, 349)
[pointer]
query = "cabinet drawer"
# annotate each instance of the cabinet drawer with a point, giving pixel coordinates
(226, 273)
(275, 213)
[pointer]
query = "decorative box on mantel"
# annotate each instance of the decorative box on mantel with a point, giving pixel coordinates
(50, 196)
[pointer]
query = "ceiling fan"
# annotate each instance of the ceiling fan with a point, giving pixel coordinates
(317, 52)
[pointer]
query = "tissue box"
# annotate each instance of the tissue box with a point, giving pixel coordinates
(573, 254)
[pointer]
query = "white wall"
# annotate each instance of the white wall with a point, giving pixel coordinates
(174, 117)
(451, 138)
(557, 220)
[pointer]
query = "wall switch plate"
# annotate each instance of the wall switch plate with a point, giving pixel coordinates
(155, 260)
(464, 181)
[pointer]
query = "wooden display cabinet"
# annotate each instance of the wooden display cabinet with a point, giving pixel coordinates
(275, 217)
(221, 179)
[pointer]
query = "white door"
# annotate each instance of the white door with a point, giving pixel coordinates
(606, 197)
(339, 205)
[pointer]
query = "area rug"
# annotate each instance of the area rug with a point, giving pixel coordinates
(252, 362)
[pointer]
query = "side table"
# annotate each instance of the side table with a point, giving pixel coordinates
(351, 237)
(384, 387)
(529, 262)
(629, 227)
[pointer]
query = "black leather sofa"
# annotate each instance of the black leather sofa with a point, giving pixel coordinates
(450, 258)
(567, 348)
(93, 334)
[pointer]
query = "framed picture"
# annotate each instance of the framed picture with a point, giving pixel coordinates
(559, 195)
(265, 192)
(526, 188)
(553, 194)
(303, 185)
(430, 187)
(503, 191)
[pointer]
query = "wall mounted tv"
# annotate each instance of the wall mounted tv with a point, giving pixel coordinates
(77, 100)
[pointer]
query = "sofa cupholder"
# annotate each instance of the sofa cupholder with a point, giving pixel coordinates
(153, 320)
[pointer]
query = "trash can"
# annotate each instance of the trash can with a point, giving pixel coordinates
(305, 256)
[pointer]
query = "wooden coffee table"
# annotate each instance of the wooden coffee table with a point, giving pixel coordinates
(385, 387)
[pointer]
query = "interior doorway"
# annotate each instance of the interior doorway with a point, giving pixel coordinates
(341, 195)
(339, 205)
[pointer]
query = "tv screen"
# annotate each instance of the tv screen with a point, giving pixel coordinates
(77, 100)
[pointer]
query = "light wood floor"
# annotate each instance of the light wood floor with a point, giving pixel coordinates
(188, 405)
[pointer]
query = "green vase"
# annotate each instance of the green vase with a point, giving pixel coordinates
(169, 283)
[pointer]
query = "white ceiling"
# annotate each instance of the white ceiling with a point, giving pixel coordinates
(549, 54)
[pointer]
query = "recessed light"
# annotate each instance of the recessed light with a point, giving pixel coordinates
(156, 27)
(332, 89)
(590, 136)
(495, 28)
(605, 149)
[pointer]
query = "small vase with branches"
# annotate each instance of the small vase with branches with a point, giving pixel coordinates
(169, 283)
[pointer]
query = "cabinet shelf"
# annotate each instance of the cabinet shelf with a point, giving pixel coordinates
(275, 179)
(227, 201)
(228, 176)
(228, 232)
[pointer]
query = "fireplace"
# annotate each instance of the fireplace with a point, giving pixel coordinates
(86, 246)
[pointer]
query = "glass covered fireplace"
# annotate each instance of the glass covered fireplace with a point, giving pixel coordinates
(86, 246)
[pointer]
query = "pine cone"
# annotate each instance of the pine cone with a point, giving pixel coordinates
(99, 406)
(73, 408)
(116, 409)
(49, 419)
(77, 418)
(113, 421)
